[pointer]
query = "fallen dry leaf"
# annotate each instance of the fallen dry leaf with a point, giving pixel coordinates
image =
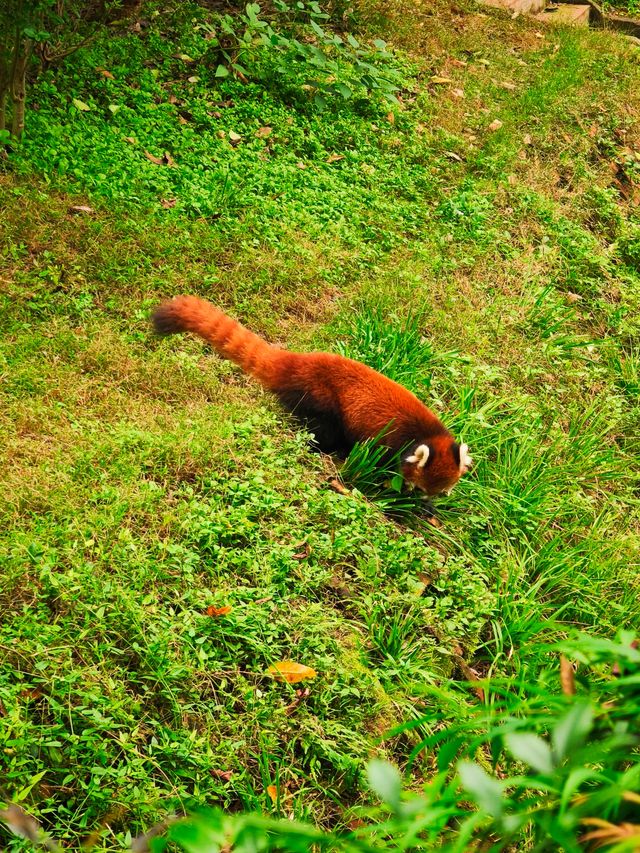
(219, 611)
(510, 87)
(337, 486)
(496, 124)
(441, 80)
(391, 118)
(264, 132)
(31, 693)
(333, 158)
(291, 672)
(131, 140)
(234, 138)
(457, 93)
(80, 209)
(105, 73)
(168, 203)
(157, 160)
(225, 775)
(193, 79)
(512, 180)
(165, 160)
(609, 833)
(173, 100)
(301, 165)
(567, 676)
(273, 793)
(453, 156)
(459, 63)
(527, 139)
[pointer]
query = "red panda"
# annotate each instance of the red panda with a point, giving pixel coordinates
(341, 401)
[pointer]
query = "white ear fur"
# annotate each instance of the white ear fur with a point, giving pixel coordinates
(420, 456)
(465, 460)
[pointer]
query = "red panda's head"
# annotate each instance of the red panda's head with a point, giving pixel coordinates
(436, 465)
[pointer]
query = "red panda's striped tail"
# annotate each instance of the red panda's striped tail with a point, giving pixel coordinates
(231, 340)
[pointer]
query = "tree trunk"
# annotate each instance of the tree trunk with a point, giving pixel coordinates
(3, 108)
(4, 87)
(19, 90)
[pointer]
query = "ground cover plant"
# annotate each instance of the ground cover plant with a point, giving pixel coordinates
(167, 534)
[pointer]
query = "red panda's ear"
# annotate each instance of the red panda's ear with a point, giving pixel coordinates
(465, 460)
(419, 456)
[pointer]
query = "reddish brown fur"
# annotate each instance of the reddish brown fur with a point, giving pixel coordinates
(344, 401)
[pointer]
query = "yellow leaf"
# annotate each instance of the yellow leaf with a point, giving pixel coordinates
(217, 611)
(291, 672)
(273, 793)
(441, 80)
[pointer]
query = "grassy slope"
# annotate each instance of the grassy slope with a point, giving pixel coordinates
(146, 480)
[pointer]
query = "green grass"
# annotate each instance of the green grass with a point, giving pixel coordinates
(145, 480)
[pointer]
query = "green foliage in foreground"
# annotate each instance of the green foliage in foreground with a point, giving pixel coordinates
(555, 774)
(145, 481)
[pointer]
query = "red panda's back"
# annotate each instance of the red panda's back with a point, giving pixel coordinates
(366, 401)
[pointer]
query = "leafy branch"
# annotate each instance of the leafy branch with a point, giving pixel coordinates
(332, 65)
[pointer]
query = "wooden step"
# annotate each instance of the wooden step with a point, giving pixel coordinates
(522, 7)
(565, 14)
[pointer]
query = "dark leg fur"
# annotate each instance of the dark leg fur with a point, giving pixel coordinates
(326, 427)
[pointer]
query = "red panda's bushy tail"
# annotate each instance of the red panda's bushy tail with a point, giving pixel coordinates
(231, 340)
